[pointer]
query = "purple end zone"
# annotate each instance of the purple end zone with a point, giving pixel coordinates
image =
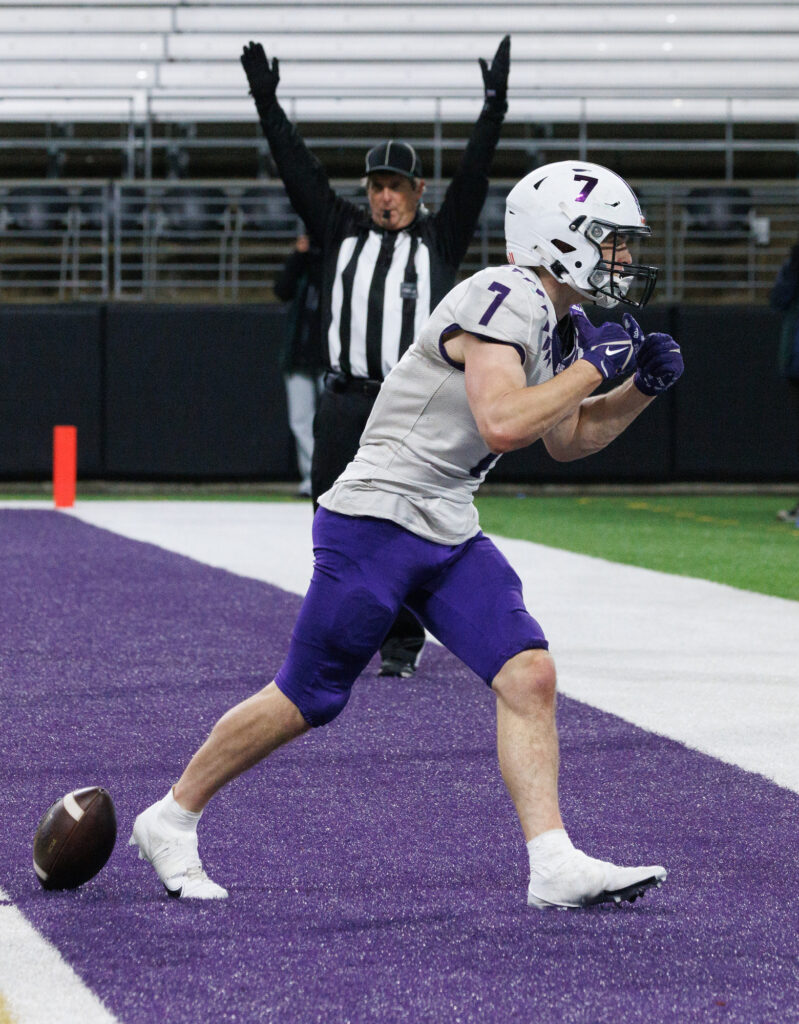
(376, 868)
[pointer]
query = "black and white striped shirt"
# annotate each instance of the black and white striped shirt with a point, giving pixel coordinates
(380, 299)
(379, 286)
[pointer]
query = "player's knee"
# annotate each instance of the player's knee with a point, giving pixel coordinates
(320, 707)
(527, 682)
(328, 653)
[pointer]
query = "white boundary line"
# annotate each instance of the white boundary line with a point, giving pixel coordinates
(37, 986)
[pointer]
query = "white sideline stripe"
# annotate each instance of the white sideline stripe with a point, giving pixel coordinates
(72, 807)
(36, 985)
(702, 663)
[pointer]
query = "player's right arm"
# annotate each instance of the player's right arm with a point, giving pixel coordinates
(503, 320)
(508, 413)
(304, 178)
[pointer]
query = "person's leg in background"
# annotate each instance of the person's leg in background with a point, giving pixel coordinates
(301, 395)
(402, 648)
(791, 515)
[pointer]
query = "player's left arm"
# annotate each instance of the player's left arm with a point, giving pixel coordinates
(600, 419)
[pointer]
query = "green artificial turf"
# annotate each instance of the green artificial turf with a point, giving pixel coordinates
(732, 539)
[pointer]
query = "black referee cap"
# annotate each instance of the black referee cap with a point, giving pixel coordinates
(394, 156)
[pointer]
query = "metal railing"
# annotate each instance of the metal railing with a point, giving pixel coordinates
(226, 240)
(141, 129)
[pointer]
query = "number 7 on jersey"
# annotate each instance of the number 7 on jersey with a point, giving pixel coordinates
(502, 293)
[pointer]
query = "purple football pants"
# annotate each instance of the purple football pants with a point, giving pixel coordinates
(466, 595)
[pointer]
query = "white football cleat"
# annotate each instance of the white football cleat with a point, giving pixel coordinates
(173, 854)
(578, 880)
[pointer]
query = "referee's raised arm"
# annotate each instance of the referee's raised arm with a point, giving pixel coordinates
(304, 178)
(463, 201)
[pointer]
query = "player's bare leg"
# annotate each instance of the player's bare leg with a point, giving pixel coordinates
(166, 832)
(527, 744)
(242, 737)
(527, 740)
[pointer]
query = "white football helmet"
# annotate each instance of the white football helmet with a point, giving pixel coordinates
(560, 215)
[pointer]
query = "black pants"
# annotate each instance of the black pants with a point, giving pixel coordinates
(795, 400)
(338, 425)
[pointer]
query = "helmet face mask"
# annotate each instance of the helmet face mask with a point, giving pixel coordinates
(578, 220)
(628, 282)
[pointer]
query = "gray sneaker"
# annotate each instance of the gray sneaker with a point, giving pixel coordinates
(173, 854)
(581, 881)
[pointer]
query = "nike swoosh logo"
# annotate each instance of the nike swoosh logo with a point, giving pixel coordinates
(615, 351)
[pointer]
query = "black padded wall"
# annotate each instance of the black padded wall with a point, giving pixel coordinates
(196, 392)
(732, 416)
(51, 373)
(163, 392)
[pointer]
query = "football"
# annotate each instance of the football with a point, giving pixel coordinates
(75, 838)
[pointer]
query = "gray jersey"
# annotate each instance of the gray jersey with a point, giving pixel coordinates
(421, 456)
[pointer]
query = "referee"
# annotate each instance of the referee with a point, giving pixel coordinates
(384, 268)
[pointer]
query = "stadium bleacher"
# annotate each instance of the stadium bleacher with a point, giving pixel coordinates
(673, 95)
(737, 49)
(571, 61)
(625, 62)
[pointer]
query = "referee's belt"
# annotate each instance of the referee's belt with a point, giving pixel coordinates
(342, 382)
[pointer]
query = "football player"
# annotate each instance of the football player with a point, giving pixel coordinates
(507, 358)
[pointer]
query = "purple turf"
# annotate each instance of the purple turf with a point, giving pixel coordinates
(376, 868)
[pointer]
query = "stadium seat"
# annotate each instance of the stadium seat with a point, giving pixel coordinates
(90, 204)
(79, 46)
(141, 16)
(719, 214)
(267, 209)
(37, 211)
(193, 209)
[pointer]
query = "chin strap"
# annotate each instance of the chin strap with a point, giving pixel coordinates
(557, 270)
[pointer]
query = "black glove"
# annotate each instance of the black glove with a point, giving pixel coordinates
(263, 79)
(495, 78)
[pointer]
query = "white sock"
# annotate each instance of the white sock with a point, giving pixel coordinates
(548, 848)
(176, 816)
